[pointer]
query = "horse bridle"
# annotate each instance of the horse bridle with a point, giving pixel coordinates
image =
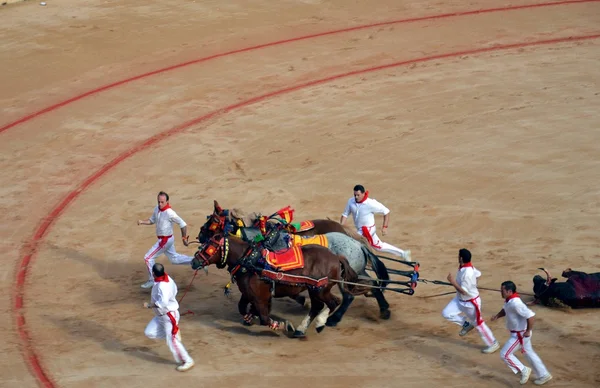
(210, 249)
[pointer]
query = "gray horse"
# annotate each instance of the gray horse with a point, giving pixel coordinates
(357, 254)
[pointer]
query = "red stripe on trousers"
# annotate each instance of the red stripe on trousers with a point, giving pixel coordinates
(509, 353)
(161, 245)
(174, 331)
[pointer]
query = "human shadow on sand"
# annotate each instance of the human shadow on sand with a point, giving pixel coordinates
(435, 346)
(86, 329)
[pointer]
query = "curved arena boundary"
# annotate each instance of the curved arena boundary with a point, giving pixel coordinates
(277, 43)
(30, 250)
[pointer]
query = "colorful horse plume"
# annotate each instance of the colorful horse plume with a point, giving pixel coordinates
(286, 214)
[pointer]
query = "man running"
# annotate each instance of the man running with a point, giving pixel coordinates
(163, 216)
(363, 210)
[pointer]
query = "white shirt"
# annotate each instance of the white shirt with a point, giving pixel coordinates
(466, 277)
(164, 219)
(163, 295)
(517, 314)
(364, 213)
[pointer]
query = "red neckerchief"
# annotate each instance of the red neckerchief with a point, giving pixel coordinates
(164, 278)
(466, 265)
(364, 198)
(168, 206)
(514, 295)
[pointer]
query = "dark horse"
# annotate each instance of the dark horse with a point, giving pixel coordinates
(258, 282)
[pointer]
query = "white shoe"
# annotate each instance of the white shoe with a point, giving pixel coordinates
(543, 380)
(407, 255)
(186, 366)
(495, 346)
(525, 373)
(148, 284)
(467, 327)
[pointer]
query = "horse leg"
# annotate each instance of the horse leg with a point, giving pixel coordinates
(262, 301)
(301, 299)
(336, 317)
(248, 317)
(331, 303)
(384, 307)
(316, 305)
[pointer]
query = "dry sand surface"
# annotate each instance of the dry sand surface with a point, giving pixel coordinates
(470, 137)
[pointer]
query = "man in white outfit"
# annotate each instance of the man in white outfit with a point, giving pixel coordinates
(163, 216)
(465, 308)
(363, 210)
(519, 321)
(166, 322)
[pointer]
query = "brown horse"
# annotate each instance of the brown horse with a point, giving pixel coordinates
(258, 282)
(234, 219)
(275, 240)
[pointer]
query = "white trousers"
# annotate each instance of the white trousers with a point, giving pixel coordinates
(166, 326)
(380, 245)
(459, 312)
(513, 344)
(166, 246)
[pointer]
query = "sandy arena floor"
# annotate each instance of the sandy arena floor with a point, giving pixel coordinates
(477, 129)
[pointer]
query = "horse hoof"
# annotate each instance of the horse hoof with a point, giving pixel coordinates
(331, 322)
(385, 314)
(289, 327)
(299, 334)
(247, 323)
(320, 329)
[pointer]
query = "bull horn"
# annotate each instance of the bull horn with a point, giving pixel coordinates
(548, 277)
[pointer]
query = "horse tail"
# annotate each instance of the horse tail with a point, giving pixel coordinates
(348, 274)
(378, 267)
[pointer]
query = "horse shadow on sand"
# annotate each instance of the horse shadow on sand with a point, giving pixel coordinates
(219, 312)
(126, 277)
(204, 305)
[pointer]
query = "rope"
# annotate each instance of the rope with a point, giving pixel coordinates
(371, 286)
(436, 295)
(439, 282)
(186, 291)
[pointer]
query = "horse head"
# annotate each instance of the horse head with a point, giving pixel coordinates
(214, 224)
(215, 251)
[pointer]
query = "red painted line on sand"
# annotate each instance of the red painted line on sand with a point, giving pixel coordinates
(281, 42)
(29, 354)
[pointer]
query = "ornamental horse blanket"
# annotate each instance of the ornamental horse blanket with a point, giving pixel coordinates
(319, 239)
(287, 260)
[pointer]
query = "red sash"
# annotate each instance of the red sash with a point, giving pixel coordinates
(163, 240)
(477, 312)
(520, 338)
(367, 235)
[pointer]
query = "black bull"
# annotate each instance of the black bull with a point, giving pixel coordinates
(581, 289)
